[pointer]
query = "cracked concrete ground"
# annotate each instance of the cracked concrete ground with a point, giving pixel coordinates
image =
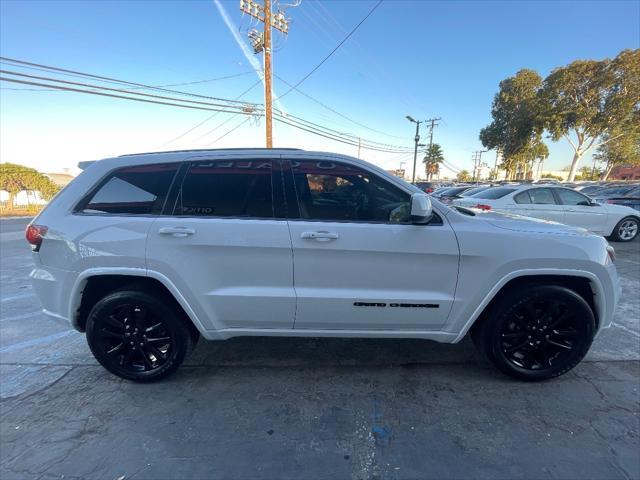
(310, 408)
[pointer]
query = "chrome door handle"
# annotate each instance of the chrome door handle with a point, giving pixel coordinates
(180, 232)
(319, 235)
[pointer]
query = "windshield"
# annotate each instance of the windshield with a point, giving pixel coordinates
(494, 193)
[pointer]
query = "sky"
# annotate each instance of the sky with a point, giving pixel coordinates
(420, 58)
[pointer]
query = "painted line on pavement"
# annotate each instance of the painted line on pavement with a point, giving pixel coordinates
(20, 317)
(36, 341)
(17, 297)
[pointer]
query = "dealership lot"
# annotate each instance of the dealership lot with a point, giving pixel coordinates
(310, 408)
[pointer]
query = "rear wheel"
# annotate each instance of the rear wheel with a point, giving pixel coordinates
(537, 332)
(137, 335)
(626, 230)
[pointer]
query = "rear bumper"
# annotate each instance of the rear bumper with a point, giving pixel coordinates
(52, 286)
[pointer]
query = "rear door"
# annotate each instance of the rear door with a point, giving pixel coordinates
(581, 212)
(225, 246)
(540, 203)
(358, 262)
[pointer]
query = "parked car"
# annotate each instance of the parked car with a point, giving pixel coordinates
(615, 191)
(589, 189)
(426, 187)
(474, 190)
(446, 196)
(146, 253)
(630, 198)
(562, 205)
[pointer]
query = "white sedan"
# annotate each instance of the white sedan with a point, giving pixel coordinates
(559, 204)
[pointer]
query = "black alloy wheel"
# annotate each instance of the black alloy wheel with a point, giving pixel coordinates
(137, 335)
(539, 332)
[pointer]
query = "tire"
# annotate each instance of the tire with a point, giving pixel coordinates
(537, 332)
(119, 329)
(626, 230)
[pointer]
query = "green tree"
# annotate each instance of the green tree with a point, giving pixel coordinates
(463, 176)
(16, 178)
(622, 149)
(517, 122)
(587, 100)
(432, 160)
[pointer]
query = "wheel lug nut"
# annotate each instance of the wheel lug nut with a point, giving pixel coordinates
(131, 343)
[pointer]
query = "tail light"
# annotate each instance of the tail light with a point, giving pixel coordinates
(610, 201)
(34, 235)
(482, 206)
(429, 190)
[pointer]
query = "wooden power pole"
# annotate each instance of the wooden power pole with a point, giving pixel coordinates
(279, 22)
(267, 75)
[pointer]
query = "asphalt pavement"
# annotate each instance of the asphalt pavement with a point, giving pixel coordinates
(274, 408)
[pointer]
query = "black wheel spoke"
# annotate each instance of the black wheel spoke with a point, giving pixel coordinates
(162, 340)
(565, 333)
(513, 335)
(147, 362)
(156, 353)
(114, 322)
(516, 347)
(558, 344)
(115, 349)
(126, 358)
(153, 327)
(109, 334)
(559, 320)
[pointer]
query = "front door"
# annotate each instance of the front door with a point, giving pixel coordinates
(358, 262)
(224, 247)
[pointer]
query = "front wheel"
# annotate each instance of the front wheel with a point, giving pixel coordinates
(137, 335)
(537, 332)
(626, 230)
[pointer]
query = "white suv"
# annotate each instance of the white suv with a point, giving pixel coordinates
(148, 252)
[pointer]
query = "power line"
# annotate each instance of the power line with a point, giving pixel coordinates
(93, 92)
(209, 118)
(294, 121)
(332, 51)
(7, 72)
(336, 112)
(64, 71)
(230, 131)
(207, 80)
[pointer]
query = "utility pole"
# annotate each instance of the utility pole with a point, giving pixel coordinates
(263, 43)
(267, 75)
(433, 123)
(477, 158)
(416, 139)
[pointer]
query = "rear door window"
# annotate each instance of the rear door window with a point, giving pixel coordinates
(226, 189)
(137, 190)
(542, 196)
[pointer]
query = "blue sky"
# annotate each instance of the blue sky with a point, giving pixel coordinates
(423, 58)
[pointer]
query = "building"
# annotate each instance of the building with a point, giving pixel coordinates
(60, 179)
(625, 172)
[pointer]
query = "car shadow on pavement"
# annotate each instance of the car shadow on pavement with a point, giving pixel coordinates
(330, 352)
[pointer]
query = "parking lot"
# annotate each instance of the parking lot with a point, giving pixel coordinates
(310, 408)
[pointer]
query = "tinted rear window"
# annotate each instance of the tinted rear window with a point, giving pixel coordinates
(227, 189)
(494, 193)
(139, 190)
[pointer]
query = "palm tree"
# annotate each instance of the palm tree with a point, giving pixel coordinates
(432, 160)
